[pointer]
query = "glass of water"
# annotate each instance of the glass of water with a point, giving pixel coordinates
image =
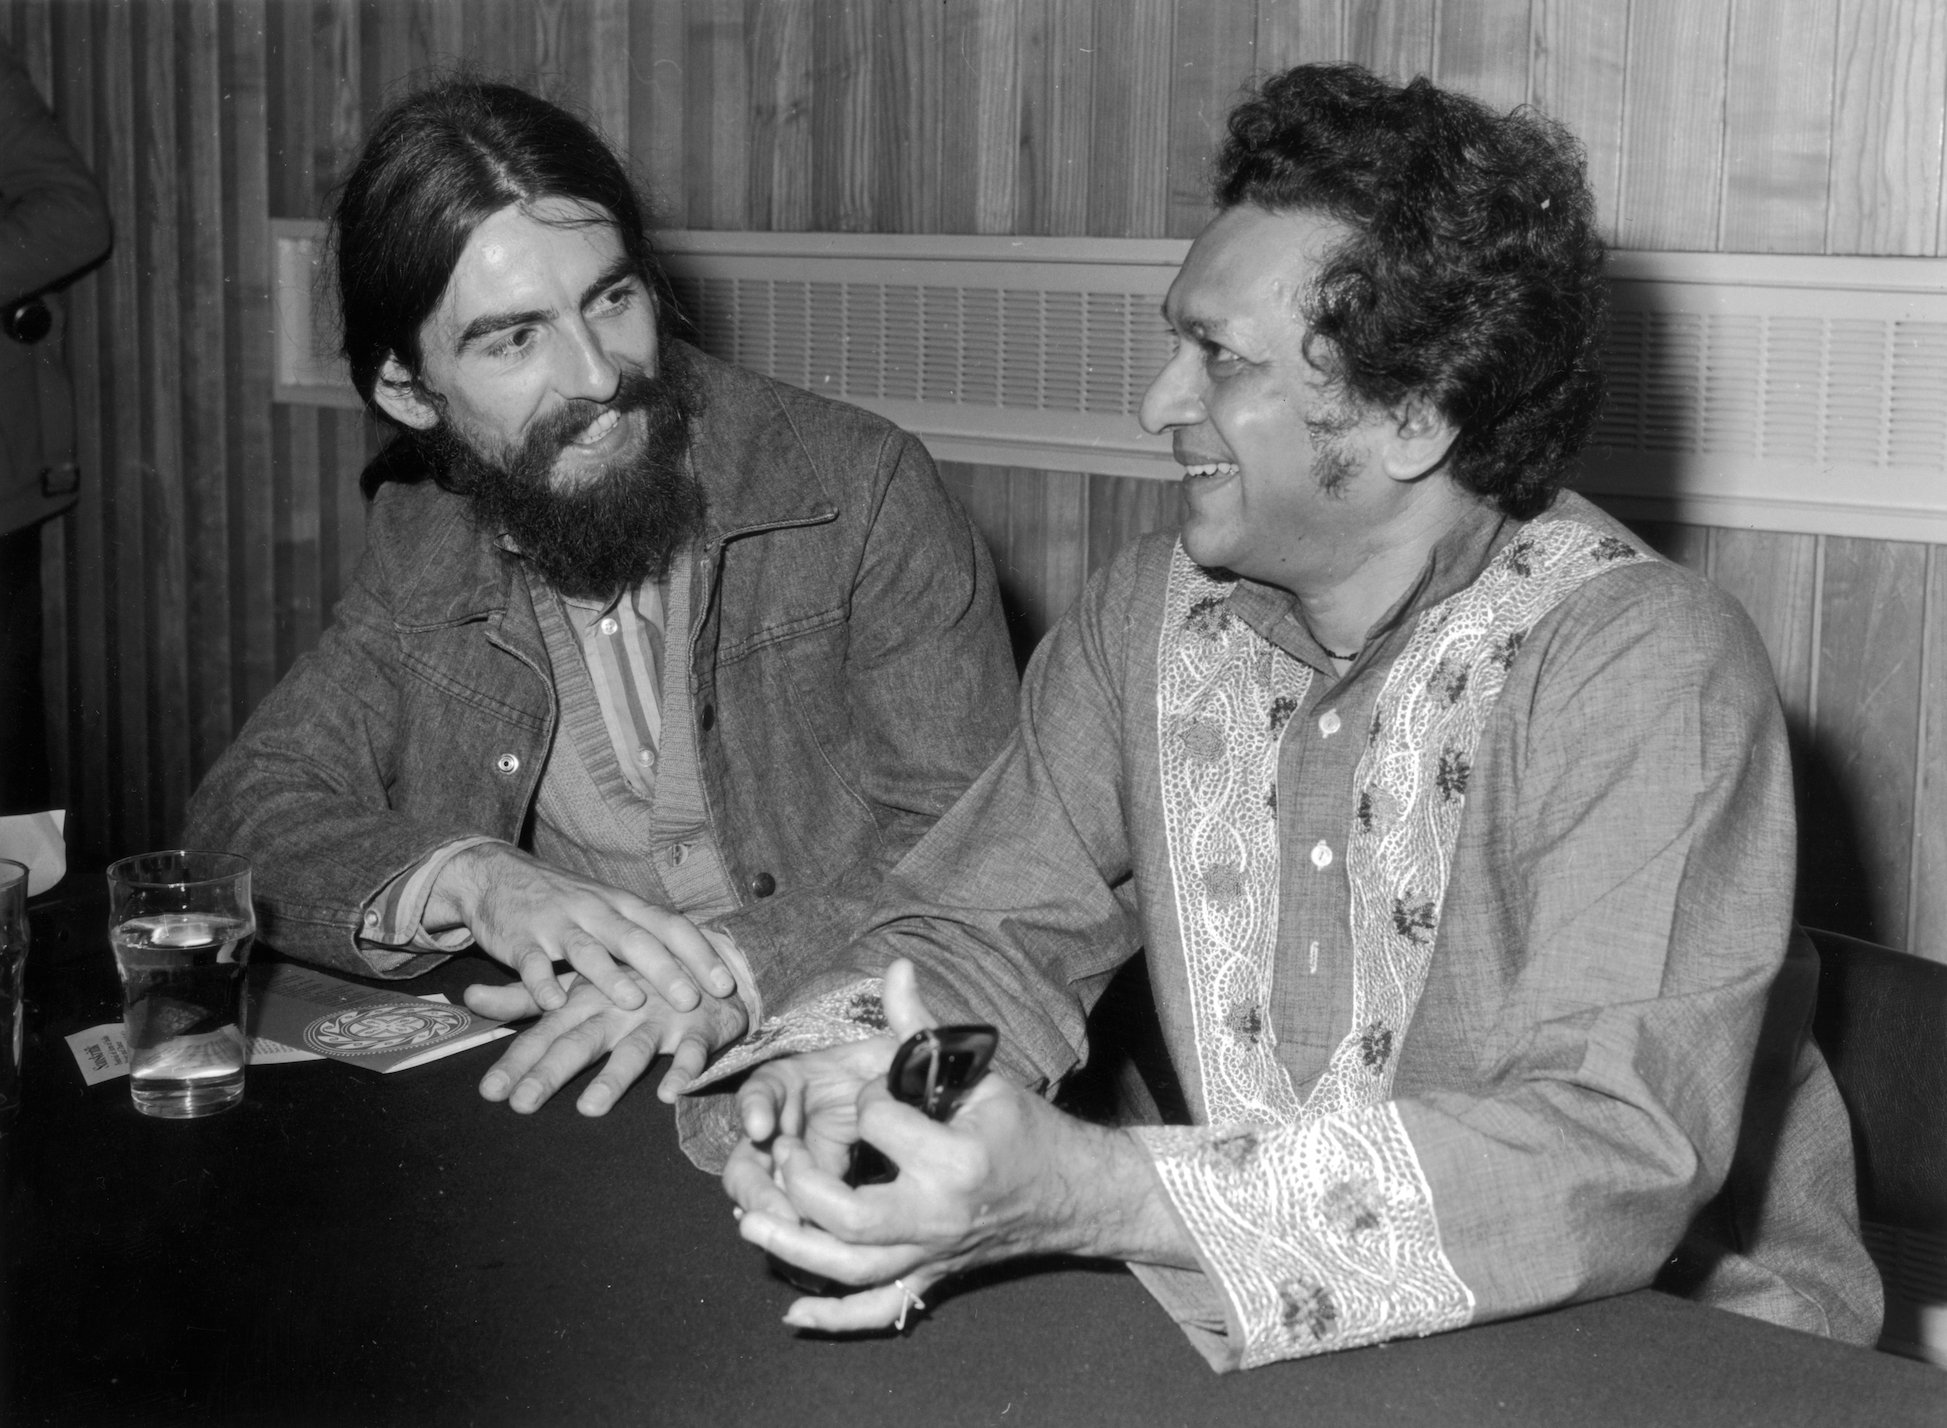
(182, 925)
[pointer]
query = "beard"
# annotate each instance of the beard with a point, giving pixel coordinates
(618, 526)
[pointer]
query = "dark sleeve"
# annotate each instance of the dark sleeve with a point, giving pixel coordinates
(305, 791)
(929, 687)
(53, 221)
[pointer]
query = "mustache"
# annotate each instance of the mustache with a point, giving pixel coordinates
(552, 433)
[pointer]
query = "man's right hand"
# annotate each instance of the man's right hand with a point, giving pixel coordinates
(529, 916)
(545, 1057)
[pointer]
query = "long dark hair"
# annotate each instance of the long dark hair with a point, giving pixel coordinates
(437, 164)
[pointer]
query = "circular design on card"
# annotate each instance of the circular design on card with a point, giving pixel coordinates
(389, 1027)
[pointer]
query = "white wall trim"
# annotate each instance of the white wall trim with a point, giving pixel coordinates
(1767, 391)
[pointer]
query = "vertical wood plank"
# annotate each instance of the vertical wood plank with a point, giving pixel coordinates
(657, 73)
(1391, 37)
(914, 59)
(595, 43)
(1058, 92)
(1293, 32)
(716, 121)
(1122, 508)
(847, 121)
(1047, 540)
(338, 119)
(1889, 114)
(75, 84)
(780, 116)
(1774, 575)
(1857, 839)
(1483, 48)
(1129, 186)
(1778, 126)
(979, 141)
(1928, 935)
(197, 343)
(247, 336)
(502, 41)
(1576, 76)
(1213, 57)
(126, 644)
(1673, 131)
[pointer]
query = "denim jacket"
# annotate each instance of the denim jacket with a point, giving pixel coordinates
(850, 668)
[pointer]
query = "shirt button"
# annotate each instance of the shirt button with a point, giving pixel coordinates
(1328, 723)
(507, 764)
(371, 919)
(609, 626)
(1321, 854)
(644, 757)
(679, 854)
(708, 718)
(763, 885)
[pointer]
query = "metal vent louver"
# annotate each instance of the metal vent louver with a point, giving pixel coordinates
(1784, 393)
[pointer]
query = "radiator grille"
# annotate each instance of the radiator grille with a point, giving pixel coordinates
(1783, 393)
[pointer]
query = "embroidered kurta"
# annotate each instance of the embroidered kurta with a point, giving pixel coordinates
(1465, 986)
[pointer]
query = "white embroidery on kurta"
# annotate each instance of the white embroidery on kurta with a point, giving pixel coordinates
(1412, 785)
(1317, 1219)
(1224, 696)
(849, 1014)
(1321, 1232)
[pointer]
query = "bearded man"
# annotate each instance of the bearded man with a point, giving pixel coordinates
(650, 663)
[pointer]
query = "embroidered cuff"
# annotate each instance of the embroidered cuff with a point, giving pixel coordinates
(1322, 1235)
(391, 918)
(849, 1014)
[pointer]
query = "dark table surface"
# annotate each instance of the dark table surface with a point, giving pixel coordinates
(347, 1248)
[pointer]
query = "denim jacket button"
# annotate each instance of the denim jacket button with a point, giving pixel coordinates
(763, 885)
(507, 764)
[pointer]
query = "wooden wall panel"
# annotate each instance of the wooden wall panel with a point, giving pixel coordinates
(1483, 49)
(1778, 127)
(1576, 70)
(1291, 32)
(216, 530)
(1212, 53)
(1858, 826)
(1889, 113)
(1673, 118)
(1129, 188)
(1057, 95)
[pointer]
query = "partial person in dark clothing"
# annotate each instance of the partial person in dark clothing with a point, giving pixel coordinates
(53, 226)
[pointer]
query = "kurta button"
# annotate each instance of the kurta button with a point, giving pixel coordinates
(1328, 723)
(1321, 854)
(763, 885)
(507, 764)
(708, 718)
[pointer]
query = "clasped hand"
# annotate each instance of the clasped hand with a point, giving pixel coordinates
(529, 916)
(549, 1054)
(993, 1183)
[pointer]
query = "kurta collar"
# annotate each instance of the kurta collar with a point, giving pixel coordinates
(1454, 563)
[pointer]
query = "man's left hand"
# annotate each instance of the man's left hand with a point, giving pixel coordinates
(549, 1054)
(1010, 1175)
